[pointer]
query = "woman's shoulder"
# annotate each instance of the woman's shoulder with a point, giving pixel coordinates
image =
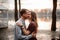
(33, 23)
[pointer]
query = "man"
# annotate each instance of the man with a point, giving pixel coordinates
(19, 35)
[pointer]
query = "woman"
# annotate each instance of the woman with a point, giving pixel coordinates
(32, 28)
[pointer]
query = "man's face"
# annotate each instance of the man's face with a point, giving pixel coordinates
(27, 15)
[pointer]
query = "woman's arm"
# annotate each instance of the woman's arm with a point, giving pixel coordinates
(32, 27)
(26, 32)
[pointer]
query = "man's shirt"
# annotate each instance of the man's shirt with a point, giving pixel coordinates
(18, 31)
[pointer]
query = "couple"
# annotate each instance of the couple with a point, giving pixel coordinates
(23, 33)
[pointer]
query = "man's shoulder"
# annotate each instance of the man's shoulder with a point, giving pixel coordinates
(19, 20)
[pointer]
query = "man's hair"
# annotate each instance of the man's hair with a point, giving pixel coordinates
(23, 11)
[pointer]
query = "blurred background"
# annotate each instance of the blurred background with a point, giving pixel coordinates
(9, 12)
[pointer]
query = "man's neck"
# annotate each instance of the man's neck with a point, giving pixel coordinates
(23, 18)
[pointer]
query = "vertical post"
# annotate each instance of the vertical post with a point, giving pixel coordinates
(53, 26)
(19, 7)
(16, 11)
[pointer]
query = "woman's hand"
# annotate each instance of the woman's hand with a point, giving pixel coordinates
(26, 32)
(19, 24)
(33, 34)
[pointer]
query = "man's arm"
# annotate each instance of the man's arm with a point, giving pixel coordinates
(19, 34)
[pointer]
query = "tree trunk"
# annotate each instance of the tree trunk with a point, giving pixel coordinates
(19, 7)
(16, 11)
(53, 26)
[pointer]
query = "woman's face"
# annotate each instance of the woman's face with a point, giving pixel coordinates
(29, 15)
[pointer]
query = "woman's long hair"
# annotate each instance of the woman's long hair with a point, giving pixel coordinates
(34, 18)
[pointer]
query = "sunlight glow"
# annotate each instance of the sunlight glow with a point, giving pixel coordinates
(36, 4)
(43, 25)
(33, 4)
